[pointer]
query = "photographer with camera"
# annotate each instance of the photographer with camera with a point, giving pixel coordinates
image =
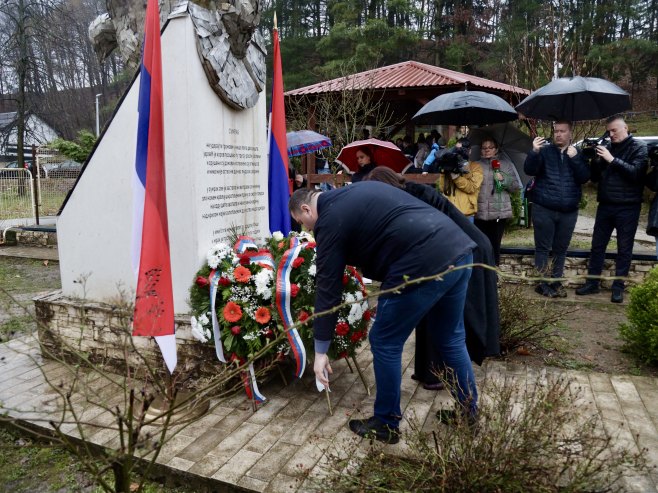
(620, 173)
(459, 180)
(559, 171)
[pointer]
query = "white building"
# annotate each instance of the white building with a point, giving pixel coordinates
(37, 132)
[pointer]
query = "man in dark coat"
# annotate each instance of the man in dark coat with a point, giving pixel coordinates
(559, 171)
(620, 173)
(394, 238)
(652, 183)
(481, 312)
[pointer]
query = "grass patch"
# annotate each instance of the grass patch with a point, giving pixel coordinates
(15, 326)
(19, 275)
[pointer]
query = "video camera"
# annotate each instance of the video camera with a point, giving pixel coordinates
(589, 145)
(453, 160)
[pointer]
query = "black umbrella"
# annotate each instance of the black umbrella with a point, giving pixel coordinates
(575, 99)
(512, 143)
(466, 108)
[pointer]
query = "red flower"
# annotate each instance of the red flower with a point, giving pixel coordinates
(303, 316)
(263, 315)
(342, 329)
(280, 245)
(346, 279)
(224, 281)
(343, 355)
(357, 336)
(294, 289)
(235, 330)
(366, 315)
(242, 274)
(232, 312)
(297, 262)
(202, 282)
(311, 244)
(245, 260)
(269, 333)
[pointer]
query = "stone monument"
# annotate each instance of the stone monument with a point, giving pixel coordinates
(216, 169)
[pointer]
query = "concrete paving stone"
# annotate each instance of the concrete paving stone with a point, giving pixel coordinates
(237, 466)
(639, 484)
(268, 411)
(268, 436)
(295, 388)
(234, 419)
(301, 429)
(207, 465)
(228, 447)
(329, 426)
(415, 415)
(272, 461)
(625, 389)
(608, 405)
(204, 444)
(305, 458)
(180, 464)
(296, 407)
(172, 446)
(283, 484)
(619, 432)
(200, 426)
(220, 410)
(252, 484)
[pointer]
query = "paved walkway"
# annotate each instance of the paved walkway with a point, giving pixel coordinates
(279, 447)
(33, 252)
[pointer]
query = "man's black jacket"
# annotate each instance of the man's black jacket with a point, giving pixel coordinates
(558, 178)
(622, 180)
(386, 232)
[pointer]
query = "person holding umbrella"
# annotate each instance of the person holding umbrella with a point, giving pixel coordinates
(620, 171)
(559, 170)
(494, 202)
(366, 164)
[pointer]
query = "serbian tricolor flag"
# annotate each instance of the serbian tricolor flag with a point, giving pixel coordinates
(278, 186)
(154, 303)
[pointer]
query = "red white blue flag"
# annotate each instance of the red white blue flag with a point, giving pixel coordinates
(278, 186)
(154, 303)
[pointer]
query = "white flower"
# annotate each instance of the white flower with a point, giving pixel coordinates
(197, 330)
(217, 253)
(213, 261)
(305, 236)
(207, 333)
(277, 236)
(311, 270)
(203, 319)
(356, 314)
(262, 281)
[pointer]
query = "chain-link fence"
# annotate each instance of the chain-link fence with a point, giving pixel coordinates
(58, 175)
(16, 198)
(55, 176)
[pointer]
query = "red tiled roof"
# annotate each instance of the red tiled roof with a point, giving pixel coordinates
(405, 75)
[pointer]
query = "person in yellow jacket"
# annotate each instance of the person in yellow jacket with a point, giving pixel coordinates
(463, 188)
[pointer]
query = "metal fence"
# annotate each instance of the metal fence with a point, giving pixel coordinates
(26, 202)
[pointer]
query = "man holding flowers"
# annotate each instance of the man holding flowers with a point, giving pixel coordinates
(394, 238)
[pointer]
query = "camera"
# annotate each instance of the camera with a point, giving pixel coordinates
(450, 162)
(590, 143)
(547, 141)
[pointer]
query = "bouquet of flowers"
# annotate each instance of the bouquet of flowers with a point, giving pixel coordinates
(243, 285)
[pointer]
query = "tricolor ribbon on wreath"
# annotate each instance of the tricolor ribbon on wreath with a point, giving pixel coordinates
(245, 246)
(283, 297)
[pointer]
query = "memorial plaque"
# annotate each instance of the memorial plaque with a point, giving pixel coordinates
(216, 166)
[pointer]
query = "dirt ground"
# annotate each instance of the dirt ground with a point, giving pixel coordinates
(588, 339)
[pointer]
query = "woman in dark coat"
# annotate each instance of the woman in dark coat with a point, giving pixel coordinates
(481, 315)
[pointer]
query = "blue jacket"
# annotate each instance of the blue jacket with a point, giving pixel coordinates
(558, 178)
(386, 232)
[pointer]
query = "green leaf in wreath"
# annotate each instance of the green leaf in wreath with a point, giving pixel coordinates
(228, 342)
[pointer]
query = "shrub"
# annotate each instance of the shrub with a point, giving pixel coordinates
(525, 320)
(533, 440)
(641, 332)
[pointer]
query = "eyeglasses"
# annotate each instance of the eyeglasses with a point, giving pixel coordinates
(487, 148)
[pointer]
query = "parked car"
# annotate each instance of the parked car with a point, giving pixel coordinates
(6, 173)
(65, 169)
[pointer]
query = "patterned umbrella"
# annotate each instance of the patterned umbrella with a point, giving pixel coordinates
(305, 142)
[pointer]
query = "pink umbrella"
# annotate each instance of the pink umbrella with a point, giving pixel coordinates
(383, 154)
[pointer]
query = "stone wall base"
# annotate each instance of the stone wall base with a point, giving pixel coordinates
(19, 236)
(575, 269)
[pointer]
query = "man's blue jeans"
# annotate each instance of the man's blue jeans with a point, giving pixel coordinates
(553, 231)
(397, 315)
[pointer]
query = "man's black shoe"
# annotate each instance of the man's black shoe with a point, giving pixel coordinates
(560, 292)
(588, 288)
(374, 428)
(617, 296)
(545, 290)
